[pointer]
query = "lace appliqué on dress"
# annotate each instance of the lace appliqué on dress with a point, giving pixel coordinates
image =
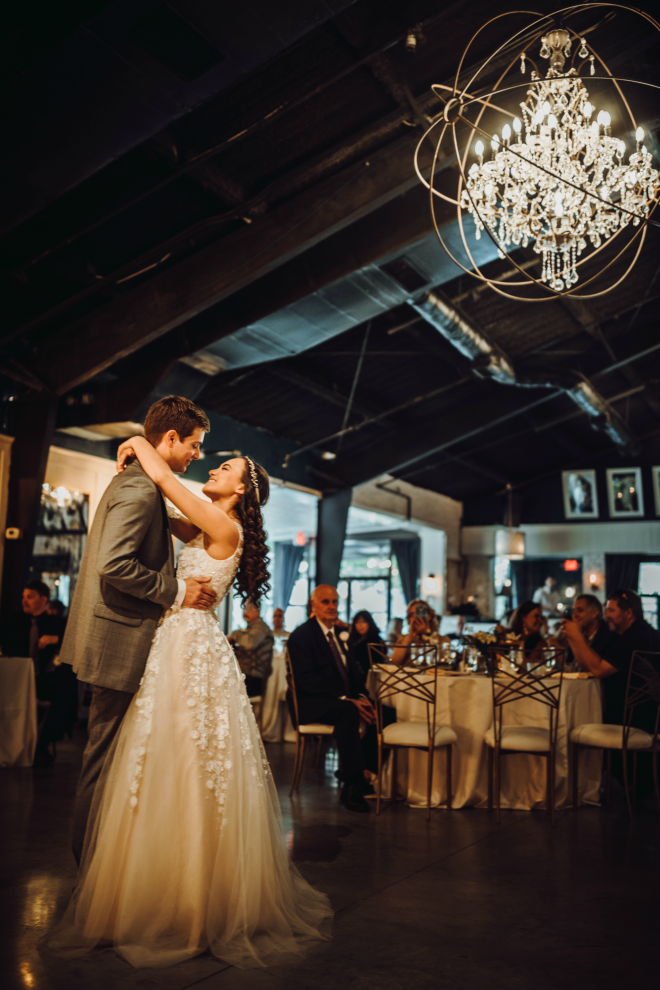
(209, 675)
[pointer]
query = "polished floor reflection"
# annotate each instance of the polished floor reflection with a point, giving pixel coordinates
(458, 903)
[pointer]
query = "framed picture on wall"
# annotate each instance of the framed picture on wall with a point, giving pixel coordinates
(580, 494)
(656, 488)
(624, 493)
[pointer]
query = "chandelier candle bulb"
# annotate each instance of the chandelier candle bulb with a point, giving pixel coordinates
(517, 126)
(506, 133)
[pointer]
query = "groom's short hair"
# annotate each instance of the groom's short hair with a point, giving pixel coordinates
(174, 412)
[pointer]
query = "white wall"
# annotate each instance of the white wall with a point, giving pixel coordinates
(437, 511)
(89, 474)
(570, 539)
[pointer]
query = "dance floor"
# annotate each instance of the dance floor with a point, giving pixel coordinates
(459, 902)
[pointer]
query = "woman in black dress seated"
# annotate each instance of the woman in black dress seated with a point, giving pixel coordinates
(364, 632)
(526, 622)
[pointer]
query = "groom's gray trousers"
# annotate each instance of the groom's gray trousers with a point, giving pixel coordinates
(126, 580)
(106, 712)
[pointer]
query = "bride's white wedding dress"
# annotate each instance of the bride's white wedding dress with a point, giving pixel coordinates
(185, 849)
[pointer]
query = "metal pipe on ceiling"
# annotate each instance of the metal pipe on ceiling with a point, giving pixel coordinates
(490, 361)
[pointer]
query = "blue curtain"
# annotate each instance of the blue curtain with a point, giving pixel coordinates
(287, 561)
(408, 557)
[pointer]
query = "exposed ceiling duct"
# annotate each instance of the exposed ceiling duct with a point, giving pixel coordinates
(490, 361)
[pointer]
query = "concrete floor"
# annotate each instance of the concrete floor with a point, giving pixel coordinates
(459, 902)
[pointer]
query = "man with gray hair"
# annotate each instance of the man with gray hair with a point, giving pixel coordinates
(329, 687)
(588, 616)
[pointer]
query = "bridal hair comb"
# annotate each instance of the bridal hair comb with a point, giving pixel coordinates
(253, 477)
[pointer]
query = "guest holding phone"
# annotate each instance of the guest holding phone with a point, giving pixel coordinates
(422, 631)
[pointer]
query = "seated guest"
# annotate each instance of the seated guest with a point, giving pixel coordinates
(34, 633)
(526, 623)
(254, 650)
(630, 632)
(278, 624)
(329, 686)
(422, 631)
(364, 632)
(588, 617)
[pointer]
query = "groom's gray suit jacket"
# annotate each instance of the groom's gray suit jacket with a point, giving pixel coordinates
(125, 582)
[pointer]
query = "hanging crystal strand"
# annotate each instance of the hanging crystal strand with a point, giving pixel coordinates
(583, 53)
(592, 68)
(522, 63)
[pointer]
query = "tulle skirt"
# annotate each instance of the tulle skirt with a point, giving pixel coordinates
(185, 848)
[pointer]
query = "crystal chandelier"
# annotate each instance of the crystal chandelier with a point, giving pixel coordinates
(555, 178)
(535, 188)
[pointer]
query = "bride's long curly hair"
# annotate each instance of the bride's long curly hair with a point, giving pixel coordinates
(253, 574)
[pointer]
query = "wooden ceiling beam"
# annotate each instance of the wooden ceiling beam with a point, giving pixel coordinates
(143, 314)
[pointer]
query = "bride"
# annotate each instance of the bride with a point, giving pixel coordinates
(184, 849)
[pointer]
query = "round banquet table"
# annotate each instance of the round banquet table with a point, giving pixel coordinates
(18, 712)
(465, 702)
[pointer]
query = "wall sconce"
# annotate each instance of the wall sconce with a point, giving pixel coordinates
(430, 585)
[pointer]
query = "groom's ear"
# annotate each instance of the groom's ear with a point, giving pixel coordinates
(171, 437)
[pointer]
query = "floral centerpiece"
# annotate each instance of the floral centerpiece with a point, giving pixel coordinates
(481, 641)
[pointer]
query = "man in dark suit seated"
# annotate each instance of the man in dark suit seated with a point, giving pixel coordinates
(588, 616)
(33, 632)
(630, 632)
(329, 684)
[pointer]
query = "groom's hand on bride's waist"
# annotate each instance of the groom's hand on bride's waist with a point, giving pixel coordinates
(199, 594)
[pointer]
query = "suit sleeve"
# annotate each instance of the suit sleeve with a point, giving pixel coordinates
(127, 521)
(304, 663)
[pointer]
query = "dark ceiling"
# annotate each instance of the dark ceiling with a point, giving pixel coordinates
(231, 186)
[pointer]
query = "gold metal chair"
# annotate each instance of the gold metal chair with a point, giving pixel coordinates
(303, 732)
(642, 688)
(420, 683)
(532, 682)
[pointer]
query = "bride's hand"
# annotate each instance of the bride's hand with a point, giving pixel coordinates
(125, 455)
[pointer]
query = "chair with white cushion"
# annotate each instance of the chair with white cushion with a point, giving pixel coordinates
(316, 730)
(529, 682)
(642, 688)
(420, 683)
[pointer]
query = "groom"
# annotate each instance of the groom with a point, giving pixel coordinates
(126, 582)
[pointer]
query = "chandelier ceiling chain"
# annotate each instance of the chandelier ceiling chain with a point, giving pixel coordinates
(556, 178)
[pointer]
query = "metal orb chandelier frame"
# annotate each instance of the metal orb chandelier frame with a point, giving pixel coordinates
(551, 187)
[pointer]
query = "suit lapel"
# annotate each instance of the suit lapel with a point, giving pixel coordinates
(320, 637)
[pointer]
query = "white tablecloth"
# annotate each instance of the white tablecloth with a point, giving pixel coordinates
(276, 722)
(18, 712)
(465, 704)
